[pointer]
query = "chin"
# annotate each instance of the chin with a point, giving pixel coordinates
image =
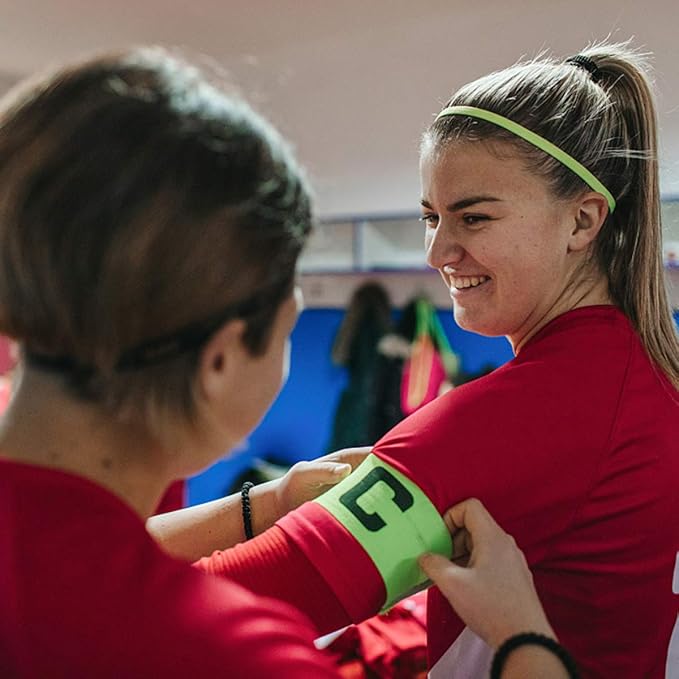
(485, 327)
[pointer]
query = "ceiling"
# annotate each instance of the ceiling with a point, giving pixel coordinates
(351, 83)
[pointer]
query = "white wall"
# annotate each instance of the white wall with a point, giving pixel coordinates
(353, 83)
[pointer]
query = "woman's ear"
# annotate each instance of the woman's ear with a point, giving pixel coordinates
(591, 211)
(219, 360)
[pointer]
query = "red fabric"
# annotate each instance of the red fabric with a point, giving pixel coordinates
(271, 565)
(7, 359)
(174, 498)
(86, 592)
(574, 447)
(349, 572)
(5, 393)
(388, 646)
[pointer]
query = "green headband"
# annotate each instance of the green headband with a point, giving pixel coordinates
(536, 140)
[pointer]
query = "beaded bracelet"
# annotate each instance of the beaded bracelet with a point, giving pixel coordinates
(247, 512)
(517, 640)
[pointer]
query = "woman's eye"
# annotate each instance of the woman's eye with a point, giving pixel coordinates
(430, 220)
(472, 220)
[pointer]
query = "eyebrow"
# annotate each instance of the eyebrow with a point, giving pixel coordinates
(465, 202)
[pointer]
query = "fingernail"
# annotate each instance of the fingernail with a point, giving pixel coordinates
(342, 469)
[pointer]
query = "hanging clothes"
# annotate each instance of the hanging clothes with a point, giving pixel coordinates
(367, 320)
(432, 365)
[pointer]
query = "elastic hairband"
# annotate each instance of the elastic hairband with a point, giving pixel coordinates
(154, 351)
(585, 63)
(536, 140)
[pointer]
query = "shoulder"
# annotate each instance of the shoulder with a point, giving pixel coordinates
(525, 415)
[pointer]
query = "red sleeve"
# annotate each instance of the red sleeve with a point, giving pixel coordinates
(254, 638)
(273, 565)
(174, 498)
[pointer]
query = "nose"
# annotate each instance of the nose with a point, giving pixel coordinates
(442, 247)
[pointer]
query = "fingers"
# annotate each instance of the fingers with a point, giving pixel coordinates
(439, 569)
(352, 456)
(324, 473)
(472, 516)
(462, 546)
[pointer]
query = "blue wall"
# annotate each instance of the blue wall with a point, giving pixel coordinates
(298, 425)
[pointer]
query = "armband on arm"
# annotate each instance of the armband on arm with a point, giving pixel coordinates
(393, 521)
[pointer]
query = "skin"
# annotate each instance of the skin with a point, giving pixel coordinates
(489, 584)
(491, 220)
(199, 530)
(491, 588)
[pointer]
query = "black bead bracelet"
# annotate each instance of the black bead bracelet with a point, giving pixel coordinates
(531, 638)
(247, 512)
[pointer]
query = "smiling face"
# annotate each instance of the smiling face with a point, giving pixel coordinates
(500, 239)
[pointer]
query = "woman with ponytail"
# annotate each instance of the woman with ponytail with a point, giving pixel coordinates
(541, 209)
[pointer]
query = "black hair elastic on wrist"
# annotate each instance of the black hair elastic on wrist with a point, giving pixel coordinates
(247, 511)
(531, 638)
(581, 61)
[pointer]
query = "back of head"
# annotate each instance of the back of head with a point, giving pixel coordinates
(599, 109)
(137, 201)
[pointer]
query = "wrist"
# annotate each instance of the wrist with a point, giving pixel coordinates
(540, 626)
(263, 506)
(532, 654)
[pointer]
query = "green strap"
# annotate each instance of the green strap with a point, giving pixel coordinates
(394, 522)
(422, 318)
(439, 334)
(536, 140)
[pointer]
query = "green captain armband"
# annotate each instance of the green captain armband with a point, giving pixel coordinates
(394, 522)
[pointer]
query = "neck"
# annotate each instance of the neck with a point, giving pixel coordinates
(591, 292)
(46, 426)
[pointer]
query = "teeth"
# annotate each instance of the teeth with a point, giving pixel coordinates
(462, 282)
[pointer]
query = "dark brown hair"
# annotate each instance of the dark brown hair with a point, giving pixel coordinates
(137, 199)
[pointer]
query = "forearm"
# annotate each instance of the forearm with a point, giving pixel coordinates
(199, 530)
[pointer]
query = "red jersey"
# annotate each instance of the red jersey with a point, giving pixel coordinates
(86, 592)
(574, 447)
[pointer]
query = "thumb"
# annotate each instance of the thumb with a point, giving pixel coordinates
(438, 568)
(324, 473)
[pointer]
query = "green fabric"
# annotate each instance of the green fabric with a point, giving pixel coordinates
(451, 360)
(536, 140)
(393, 520)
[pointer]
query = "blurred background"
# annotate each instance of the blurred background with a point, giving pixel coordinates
(353, 85)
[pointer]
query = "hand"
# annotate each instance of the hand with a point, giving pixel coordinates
(307, 480)
(489, 585)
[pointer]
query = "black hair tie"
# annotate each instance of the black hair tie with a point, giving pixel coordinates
(531, 638)
(587, 64)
